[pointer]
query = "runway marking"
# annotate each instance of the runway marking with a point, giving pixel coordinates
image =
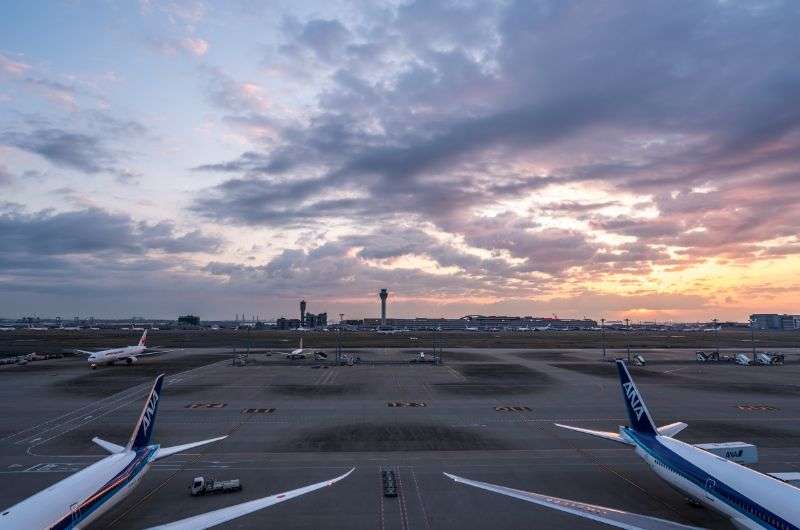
(54, 467)
(402, 494)
(380, 496)
(120, 399)
(421, 502)
(677, 369)
(458, 375)
(70, 413)
(99, 404)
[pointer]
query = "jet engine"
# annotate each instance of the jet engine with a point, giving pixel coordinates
(130, 360)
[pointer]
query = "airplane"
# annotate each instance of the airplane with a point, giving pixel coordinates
(81, 498)
(751, 500)
(472, 328)
(129, 354)
(298, 353)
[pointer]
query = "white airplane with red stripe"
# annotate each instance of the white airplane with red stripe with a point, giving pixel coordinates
(128, 354)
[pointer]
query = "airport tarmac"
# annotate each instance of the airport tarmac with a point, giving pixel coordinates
(483, 414)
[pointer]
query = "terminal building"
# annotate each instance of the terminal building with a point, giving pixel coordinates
(480, 323)
(775, 321)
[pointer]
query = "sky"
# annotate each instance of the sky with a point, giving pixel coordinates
(596, 158)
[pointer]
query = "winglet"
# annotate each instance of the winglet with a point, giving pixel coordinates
(108, 446)
(164, 452)
(147, 420)
(641, 421)
(143, 339)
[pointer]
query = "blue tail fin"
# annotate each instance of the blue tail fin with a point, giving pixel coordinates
(147, 420)
(641, 421)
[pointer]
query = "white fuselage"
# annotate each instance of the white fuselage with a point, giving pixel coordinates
(749, 498)
(116, 354)
(81, 498)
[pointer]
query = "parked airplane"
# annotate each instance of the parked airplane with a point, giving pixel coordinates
(129, 354)
(84, 496)
(748, 498)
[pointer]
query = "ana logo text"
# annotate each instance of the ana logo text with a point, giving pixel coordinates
(634, 400)
(148, 413)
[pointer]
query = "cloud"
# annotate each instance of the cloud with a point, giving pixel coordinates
(12, 67)
(5, 176)
(55, 91)
(497, 153)
(84, 152)
(326, 39)
(228, 94)
(195, 45)
(475, 91)
(85, 148)
(93, 232)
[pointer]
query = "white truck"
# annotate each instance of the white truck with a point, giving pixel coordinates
(203, 486)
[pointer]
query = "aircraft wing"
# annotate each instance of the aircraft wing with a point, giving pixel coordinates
(164, 452)
(209, 519)
(153, 352)
(609, 516)
(614, 436)
(84, 352)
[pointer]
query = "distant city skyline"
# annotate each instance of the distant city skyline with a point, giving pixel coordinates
(609, 159)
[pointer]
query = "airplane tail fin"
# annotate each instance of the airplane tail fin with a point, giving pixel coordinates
(301, 343)
(641, 421)
(147, 420)
(143, 339)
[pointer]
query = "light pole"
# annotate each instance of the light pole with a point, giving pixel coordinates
(753, 337)
(716, 335)
(603, 336)
(628, 337)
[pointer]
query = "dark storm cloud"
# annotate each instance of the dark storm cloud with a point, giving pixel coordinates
(92, 231)
(86, 147)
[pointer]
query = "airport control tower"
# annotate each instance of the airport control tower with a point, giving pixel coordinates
(384, 294)
(302, 313)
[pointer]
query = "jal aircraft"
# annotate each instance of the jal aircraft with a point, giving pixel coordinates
(83, 497)
(299, 353)
(129, 354)
(748, 498)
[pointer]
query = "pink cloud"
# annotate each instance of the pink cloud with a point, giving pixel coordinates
(12, 67)
(195, 46)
